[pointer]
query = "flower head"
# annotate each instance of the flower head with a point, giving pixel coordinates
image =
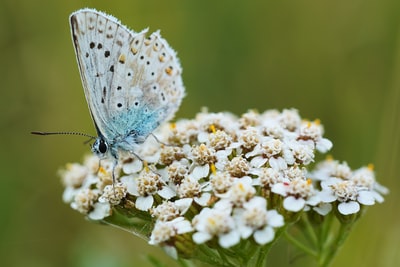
(220, 180)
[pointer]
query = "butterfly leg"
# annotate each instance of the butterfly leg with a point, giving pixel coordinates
(159, 141)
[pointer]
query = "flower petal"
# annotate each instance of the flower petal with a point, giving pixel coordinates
(366, 198)
(279, 188)
(230, 239)
(275, 219)
(166, 192)
(201, 237)
(144, 203)
(293, 204)
(264, 236)
(203, 200)
(101, 210)
(133, 167)
(131, 185)
(350, 207)
(323, 208)
(200, 171)
(257, 162)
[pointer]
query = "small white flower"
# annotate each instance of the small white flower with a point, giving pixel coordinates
(272, 147)
(249, 138)
(203, 154)
(84, 200)
(241, 191)
(221, 182)
(365, 178)
(190, 188)
(302, 152)
(171, 154)
(71, 191)
(219, 140)
(298, 193)
(272, 151)
(272, 127)
(238, 167)
(268, 176)
(254, 219)
(166, 211)
(290, 119)
(218, 121)
(295, 172)
(314, 131)
(216, 222)
(178, 170)
(182, 132)
(331, 168)
(145, 186)
(249, 119)
(113, 194)
(74, 175)
(347, 193)
(92, 162)
(165, 230)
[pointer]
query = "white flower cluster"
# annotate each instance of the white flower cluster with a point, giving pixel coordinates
(223, 178)
(347, 188)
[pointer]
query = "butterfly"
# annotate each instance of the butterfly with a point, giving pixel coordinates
(132, 82)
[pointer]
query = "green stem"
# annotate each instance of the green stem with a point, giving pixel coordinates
(262, 256)
(300, 245)
(223, 256)
(344, 231)
(208, 255)
(324, 240)
(263, 251)
(310, 232)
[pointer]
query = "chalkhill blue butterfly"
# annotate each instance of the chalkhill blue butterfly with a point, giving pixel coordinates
(132, 82)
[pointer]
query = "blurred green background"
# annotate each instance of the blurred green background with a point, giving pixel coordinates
(334, 60)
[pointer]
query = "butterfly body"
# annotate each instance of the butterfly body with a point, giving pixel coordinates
(132, 83)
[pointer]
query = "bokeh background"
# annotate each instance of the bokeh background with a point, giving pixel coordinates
(338, 61)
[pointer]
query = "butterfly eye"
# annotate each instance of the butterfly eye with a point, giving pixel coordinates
(102, 146)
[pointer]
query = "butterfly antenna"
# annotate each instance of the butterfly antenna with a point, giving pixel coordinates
(64, 133)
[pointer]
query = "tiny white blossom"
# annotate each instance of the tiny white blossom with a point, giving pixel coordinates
(190, 188)
(165, 230)
(268, 176)
(347, 193)
(331, 168)
(241, 191)
(145, 186)
(249, 138)
(113, 194)
(216, 222)
(297, 194)
(221, 182)
(289, 119)
(254, 219)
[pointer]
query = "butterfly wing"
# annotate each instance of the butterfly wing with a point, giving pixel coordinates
(131, 83)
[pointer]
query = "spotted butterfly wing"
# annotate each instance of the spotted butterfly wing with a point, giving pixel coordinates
(132, 83)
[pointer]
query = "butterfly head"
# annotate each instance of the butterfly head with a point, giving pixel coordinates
(100, 147)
